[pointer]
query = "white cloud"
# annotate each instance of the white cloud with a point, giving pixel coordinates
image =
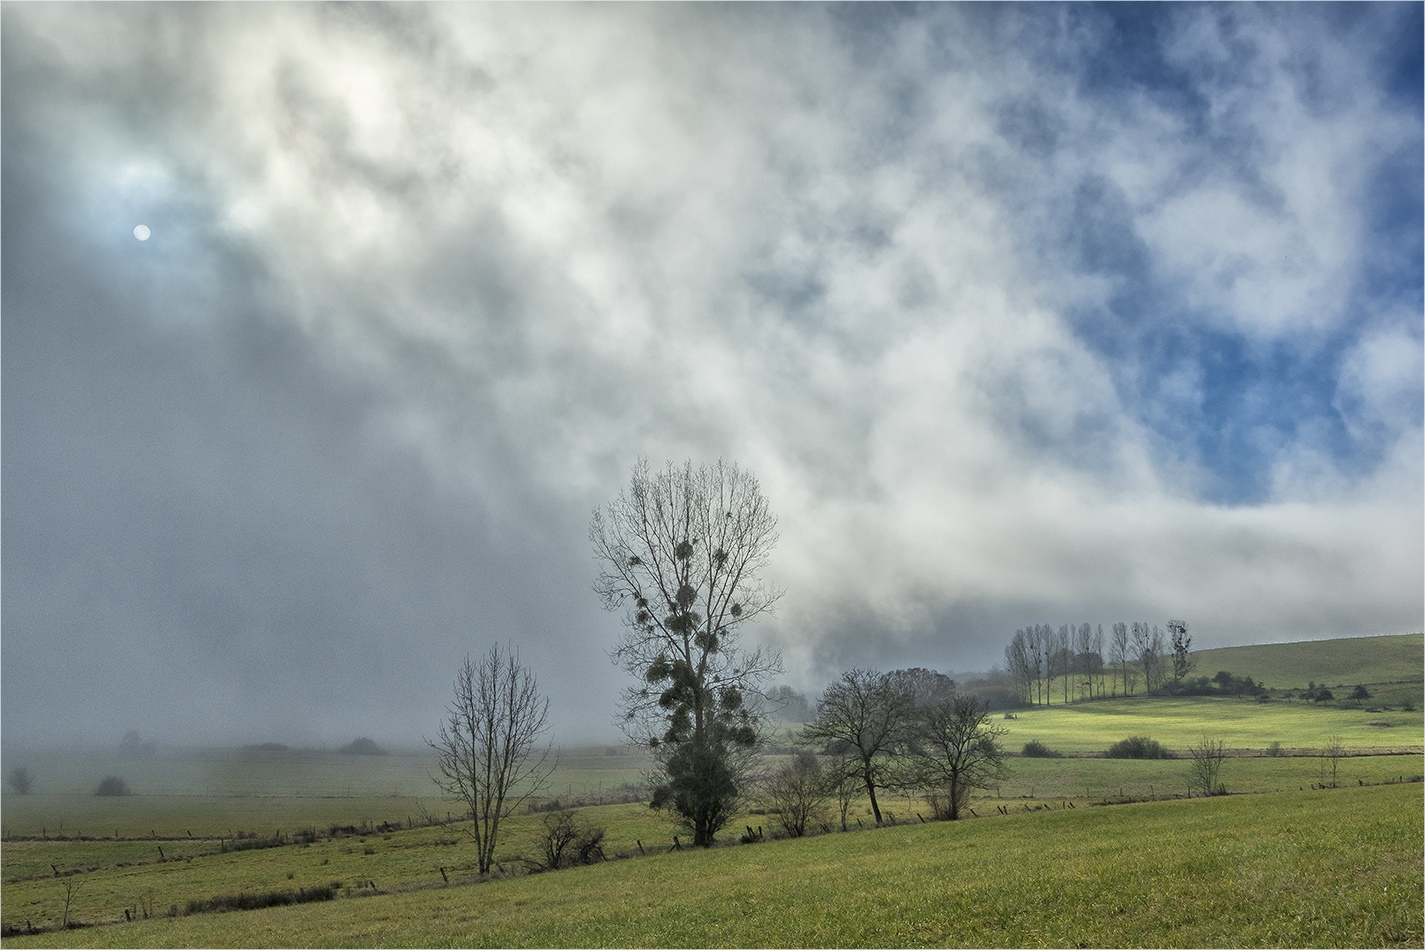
(552, 238)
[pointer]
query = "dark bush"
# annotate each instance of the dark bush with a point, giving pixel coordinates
(224, 902)
(1137, 747)
(113, 785)
(1360, 692)
(567, 841)
(1038, 750)
(21, 781)
(362, 746)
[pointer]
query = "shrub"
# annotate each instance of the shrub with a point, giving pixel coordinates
(567, 841)
(1360, 692)
(113, 785)
(1038, 750)
(362, 746)
(225, 902)
(20, 781)
(1137, 747)
(1274, 749)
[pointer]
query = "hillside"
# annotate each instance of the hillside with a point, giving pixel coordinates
(1340, 662)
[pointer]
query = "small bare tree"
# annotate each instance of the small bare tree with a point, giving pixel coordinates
(488, 747)
(845, 783)
(1331, 760)
(798, 793)
(1207, 758)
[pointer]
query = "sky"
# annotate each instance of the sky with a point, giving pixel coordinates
(1019, 313)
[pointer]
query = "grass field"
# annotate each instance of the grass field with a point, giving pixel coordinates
(1342, 662)
(1334, 868)
(1179, 722)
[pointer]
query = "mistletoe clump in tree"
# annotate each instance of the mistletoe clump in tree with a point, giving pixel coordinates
(682, 552)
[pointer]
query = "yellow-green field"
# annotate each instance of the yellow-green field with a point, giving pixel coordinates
(1179, 722)
(1334, 868)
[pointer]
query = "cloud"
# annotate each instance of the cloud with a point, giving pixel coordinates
(1018, 313)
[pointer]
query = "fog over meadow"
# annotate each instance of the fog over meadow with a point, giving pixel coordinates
(1023, 313)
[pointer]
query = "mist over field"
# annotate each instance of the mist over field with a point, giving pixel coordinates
(1021, 314)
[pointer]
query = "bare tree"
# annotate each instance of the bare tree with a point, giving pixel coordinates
(1148, 647)
(798, 793)
(1118, 653)
(1016, 661)
(1331, 760)
(682, 553)
(861, 719)
(1037, 640)
(489, 751)
(1096, 657)
(1064, 655)
(955, 750)
(1207, 758)
(844, 783)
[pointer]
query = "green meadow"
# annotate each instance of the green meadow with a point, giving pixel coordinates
(1334, 663)
(1180, 722)
(1332, 868)
(1072, 849)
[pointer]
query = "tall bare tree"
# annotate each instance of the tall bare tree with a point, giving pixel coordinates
(1016, 662)
(1148, 649)
(1064, 655)
(682, 552)
(488, 748)
(954, 749)
(1118, 653)
(1038, 637)
(861, 720)
(1096, 657)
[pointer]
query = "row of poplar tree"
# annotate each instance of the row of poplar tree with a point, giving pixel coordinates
(1040, 659)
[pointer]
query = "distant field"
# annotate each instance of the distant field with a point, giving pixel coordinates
(1335, 868)
(1179, 722)
(1340, 662)
(245, 773)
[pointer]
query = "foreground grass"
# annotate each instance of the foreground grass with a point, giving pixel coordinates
(1334, 868)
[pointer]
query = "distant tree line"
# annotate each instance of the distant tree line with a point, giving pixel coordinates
(1041, 661)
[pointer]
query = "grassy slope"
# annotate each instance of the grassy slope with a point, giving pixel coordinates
(1340, 868)
(1343, 662)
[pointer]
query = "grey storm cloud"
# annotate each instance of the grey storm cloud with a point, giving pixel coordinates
(424, 281)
